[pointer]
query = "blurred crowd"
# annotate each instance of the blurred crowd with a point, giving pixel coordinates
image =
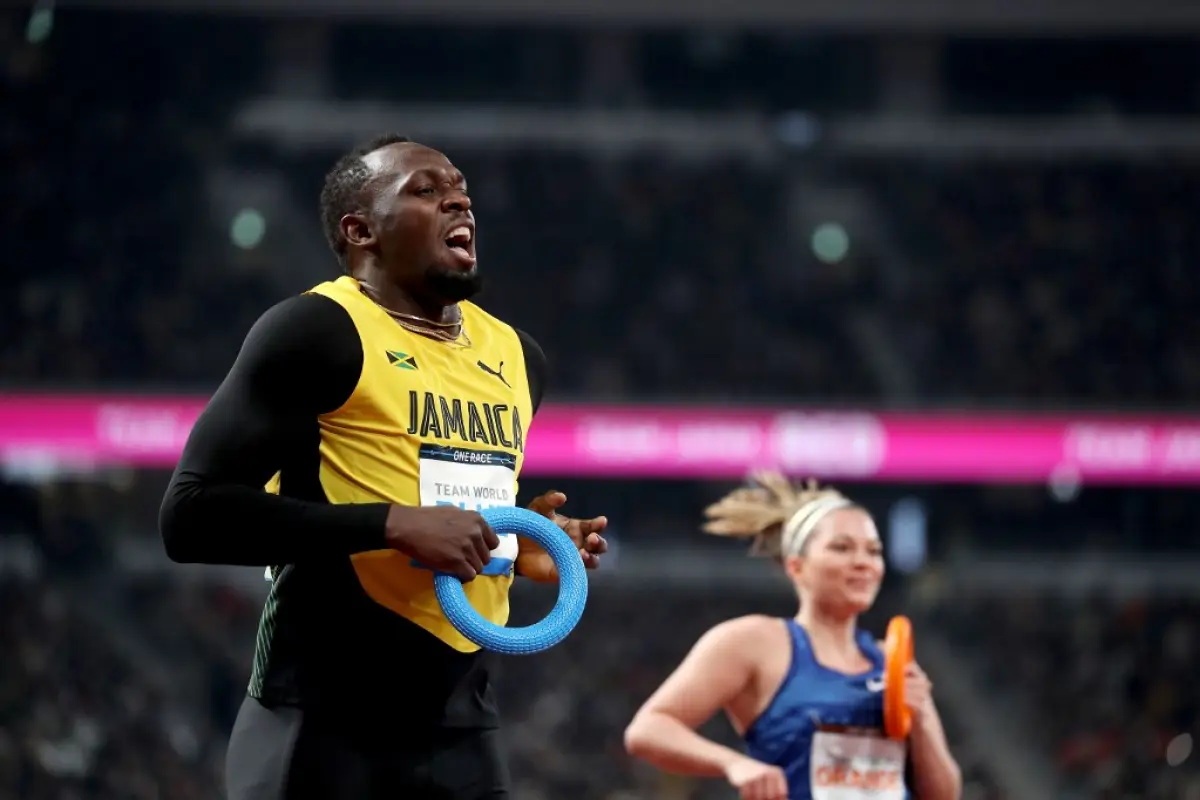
(103, 137)
(1111, 683)
(1027, 282)
(80, 720)
(1049, 282)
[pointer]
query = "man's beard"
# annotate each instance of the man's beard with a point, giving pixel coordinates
(453, 285)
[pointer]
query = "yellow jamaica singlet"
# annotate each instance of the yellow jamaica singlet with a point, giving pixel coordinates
(429, 424)
(426, 423)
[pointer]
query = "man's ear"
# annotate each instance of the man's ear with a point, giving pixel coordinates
(356, 231)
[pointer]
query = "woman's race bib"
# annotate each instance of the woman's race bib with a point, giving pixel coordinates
(856, 766)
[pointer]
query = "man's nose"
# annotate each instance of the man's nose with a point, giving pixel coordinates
(456, 201)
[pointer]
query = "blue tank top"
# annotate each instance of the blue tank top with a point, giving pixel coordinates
(825, 729)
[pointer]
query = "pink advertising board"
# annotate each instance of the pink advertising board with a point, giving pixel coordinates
(716, 442)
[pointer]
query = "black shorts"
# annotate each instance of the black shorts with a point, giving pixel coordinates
(284, 753)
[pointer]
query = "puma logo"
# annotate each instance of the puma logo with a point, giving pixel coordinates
(499, 373)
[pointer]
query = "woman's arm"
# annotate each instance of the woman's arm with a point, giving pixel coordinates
(935, 772)
(718, 668)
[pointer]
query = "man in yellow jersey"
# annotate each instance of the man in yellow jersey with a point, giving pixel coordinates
(380, 411)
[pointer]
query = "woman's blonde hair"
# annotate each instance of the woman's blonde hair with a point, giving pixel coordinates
(761, 510)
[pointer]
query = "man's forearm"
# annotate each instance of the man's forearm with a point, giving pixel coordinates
(243, 526)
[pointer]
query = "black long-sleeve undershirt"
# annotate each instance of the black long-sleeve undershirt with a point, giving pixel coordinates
(302, 359)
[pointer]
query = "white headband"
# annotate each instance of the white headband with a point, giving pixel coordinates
(797, 529)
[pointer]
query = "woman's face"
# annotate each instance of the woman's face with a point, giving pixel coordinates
(842, 564)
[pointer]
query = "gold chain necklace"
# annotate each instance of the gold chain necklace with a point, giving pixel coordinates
(439, 331)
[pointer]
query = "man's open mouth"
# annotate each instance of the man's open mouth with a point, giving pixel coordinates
(460, 240)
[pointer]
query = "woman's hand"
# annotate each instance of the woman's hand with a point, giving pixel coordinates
(918, 692)
(755, 780)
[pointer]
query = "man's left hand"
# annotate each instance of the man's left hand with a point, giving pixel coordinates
(534, 563)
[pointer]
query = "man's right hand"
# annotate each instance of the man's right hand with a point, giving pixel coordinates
(443, 538)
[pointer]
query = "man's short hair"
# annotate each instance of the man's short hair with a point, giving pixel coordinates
(342, 192)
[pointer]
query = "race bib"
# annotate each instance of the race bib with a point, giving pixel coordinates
(849, 766)
(472, 480)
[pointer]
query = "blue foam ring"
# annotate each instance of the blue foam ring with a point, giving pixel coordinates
(542, 635)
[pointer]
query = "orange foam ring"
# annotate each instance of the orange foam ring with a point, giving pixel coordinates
(898, 654)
